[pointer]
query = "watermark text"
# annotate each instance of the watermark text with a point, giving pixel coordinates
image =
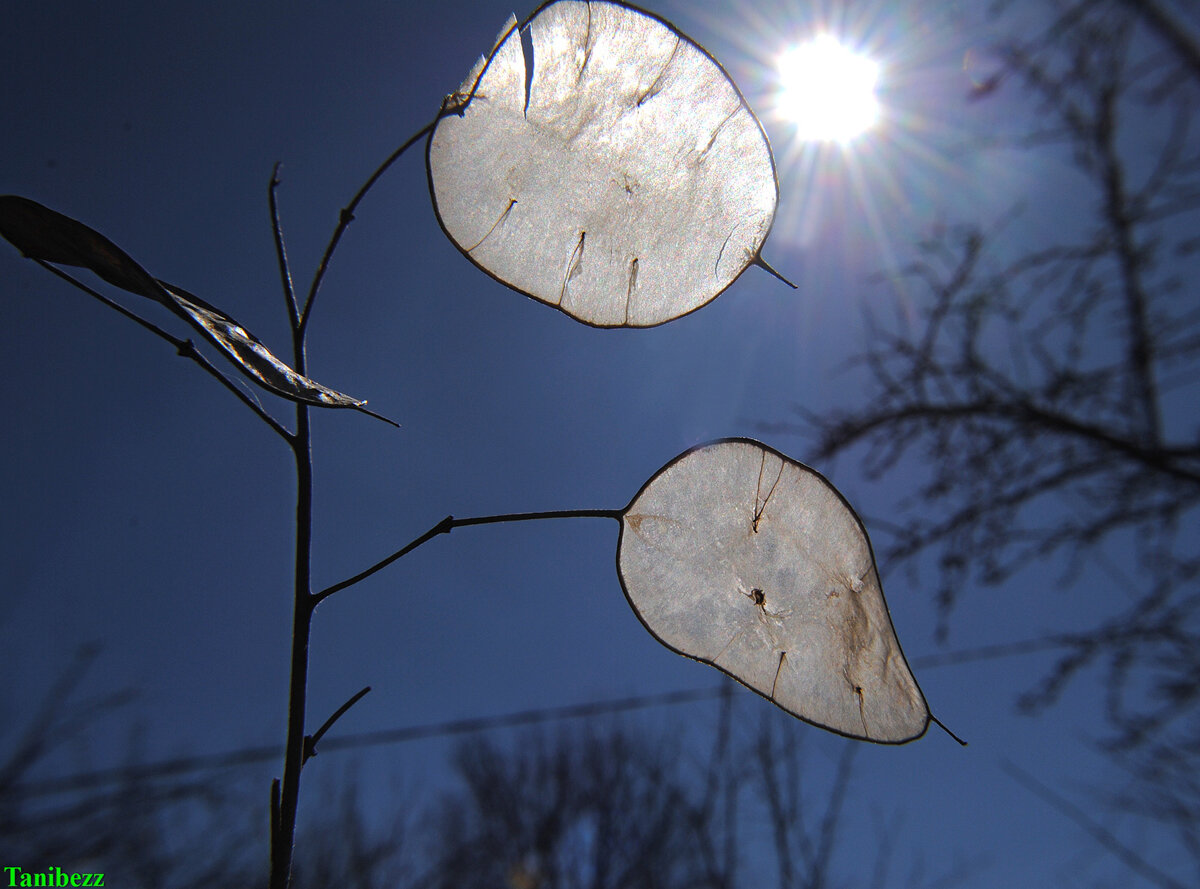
(55, 876)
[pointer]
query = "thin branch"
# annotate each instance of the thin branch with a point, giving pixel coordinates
(285, 273)
(1171, 32)
(302, 611)
(1102, 835)
(442, 527)
(781, 820)
(833, 814)
(347, 216)
(996, 651)
(112, 304)
(1131, 262)
(839, 435)
(536, 516)
(248, 755)
(49, 727)
(449, 523)
(310, 742)
(185, 348)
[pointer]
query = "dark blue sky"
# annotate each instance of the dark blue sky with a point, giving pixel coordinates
(146, 510)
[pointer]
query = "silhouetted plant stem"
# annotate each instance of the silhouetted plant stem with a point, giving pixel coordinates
(285, 274)
(449, 523)
(535, 516)
(311, 741)
(185, 347)
(112, 304)
(347, 216)
(285, 797)
(303, 603)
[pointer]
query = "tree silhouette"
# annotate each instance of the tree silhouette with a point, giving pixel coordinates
(597, 801)
(1039, 398)
(183, 833)
(602, 805)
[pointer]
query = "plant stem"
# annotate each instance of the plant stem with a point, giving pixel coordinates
(347, 216)
(285, 274)
(281, 855)
(185, 348)
(283, 839)
(449, 523)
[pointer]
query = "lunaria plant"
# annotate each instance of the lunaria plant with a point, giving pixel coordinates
(601, 162)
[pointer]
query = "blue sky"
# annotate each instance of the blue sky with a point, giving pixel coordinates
(146, 510)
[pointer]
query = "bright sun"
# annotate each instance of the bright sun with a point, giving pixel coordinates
(827, 90)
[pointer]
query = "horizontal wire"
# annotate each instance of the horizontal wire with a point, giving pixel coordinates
(249, 755)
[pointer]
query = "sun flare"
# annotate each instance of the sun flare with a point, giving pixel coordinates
(827, 91)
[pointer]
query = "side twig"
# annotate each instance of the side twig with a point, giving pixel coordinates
(285, 274)
(310, 742)
(347, 216)
(449, 523)
(185, 347)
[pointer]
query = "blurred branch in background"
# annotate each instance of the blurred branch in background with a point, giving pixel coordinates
(1050, 395)
(1038, 398)
(138, 830)
(606, 805)
(596, 802)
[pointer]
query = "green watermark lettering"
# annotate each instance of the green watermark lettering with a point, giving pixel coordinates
(54, 876)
